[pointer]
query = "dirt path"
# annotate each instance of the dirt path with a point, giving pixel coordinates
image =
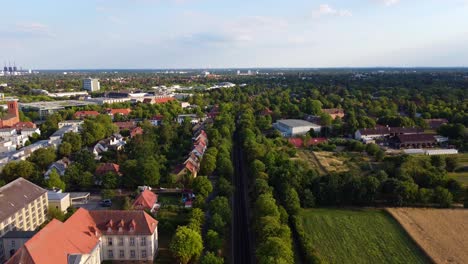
(441, 233)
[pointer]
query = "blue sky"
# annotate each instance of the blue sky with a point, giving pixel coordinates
(67, 34)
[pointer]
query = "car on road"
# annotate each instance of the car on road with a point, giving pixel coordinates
(106, 203)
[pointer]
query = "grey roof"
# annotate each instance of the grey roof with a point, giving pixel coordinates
(19, 234)
(54, 196)
(16, 195)
(296, 123)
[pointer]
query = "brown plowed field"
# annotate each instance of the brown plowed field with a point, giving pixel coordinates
(441, 233)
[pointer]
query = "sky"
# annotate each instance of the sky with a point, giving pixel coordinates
(153, 34)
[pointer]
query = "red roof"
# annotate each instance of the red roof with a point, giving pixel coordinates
(136, 131)
(145, 200)
(299, 142)
(55, 242)
(266, 111)
(21, 125)
(81, 114)
(121, 111)
(107, 167)
(80, 234)
(163, 100)
(125, 125)
(157, 117)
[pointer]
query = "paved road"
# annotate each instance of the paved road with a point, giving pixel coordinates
(242, 249)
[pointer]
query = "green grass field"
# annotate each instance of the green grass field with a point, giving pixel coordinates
(359, 236)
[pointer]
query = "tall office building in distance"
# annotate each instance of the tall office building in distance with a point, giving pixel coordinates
(91, 85)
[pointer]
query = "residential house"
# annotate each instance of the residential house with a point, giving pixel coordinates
(106, 168)
(147, 200)
(136, 131)
(23, 207)
(118, 111)
(85, 114)
(13, 240)
(91, 237)
(116, 141)
(158, 100)
(156, 120)
(56, 138)
(7, 132)
(192, 118)
(28, 132)
(128, 125)
(60, 166)
(20, 125)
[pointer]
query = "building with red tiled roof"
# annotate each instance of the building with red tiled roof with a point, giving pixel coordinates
(136, 131)
(91, 237)
(122, 111)
(129, 125)
(107, 167)
(266, 112)
(84, 114)
(20, 125)
(146, 201)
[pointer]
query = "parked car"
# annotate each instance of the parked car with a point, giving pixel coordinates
(106, 203)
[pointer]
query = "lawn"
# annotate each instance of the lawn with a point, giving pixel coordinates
(462, 177)
(359, 236)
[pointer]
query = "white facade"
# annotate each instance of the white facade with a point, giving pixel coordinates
(294, 127)
(91, 85)
(60, 201)
(125, 247)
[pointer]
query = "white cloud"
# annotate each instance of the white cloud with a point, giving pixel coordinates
(388, 2)
(327, 10)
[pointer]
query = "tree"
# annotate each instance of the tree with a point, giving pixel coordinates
(186, 244)
(65, 149)
(86, 159)
(224, 187)
(55, 213)
(149, 171)
(43, 157)
(291, 201)
(208, 164)
(54, 181)
(211, 258)
(74, 139)
(451, 163)
(217, 223)
(202, 185)
(372, 149)
(443, 197)
(220, 205)
(110, 180)
(14, 170)
(224, 167)
(213, 241)
(274, 250)
(107, 194)
(309, 199)
(438, 161)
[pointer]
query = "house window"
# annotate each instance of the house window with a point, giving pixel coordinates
(120, 241)
(109, 241)
(143, 253)
(121, 254)
(132, 241)
(143, 241)
(13, 244)
(132, 254)
(110, 253)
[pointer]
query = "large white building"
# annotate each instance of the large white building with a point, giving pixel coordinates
(23, 207)
(90, 237)
(91, 85)
(295, 127)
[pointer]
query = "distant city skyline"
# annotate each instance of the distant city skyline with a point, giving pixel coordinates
(160, 34)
